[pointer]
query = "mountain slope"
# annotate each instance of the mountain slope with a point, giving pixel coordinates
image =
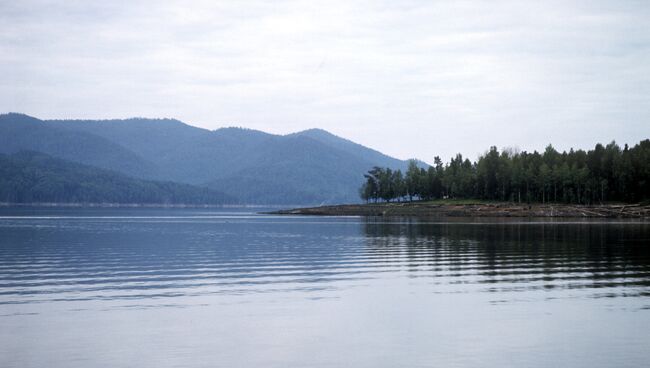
(20, 132)
(298, 170)
(27, 177)
(183, 152)
(362, 152)
(310, 167)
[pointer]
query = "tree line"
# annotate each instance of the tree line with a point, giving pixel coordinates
(606, 173)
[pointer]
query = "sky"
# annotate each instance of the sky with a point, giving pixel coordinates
(413, 79)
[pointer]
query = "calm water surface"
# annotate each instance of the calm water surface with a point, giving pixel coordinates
(229, 288)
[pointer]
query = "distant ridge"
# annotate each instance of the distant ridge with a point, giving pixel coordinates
(254, 167)
(19, 132)
(34, 177)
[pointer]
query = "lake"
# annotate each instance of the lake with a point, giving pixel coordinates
(231, 288)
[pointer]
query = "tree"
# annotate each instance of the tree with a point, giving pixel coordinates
(606, 173)
(412, 180)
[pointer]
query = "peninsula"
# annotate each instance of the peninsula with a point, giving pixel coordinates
(477, 209)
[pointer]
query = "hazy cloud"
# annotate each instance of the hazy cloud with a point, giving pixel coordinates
(410, 78)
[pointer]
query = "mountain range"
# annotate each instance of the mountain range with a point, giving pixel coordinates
(34, 177)
(246, 166)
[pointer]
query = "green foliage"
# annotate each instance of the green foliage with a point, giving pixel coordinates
(606, 173)
(384, 184)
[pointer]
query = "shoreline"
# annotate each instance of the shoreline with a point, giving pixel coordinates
(503, 209)
(462, 209)
(131, 205)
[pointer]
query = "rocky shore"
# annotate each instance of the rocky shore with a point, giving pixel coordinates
(477, 210)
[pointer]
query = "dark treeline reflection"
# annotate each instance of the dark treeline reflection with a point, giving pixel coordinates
(520, 256)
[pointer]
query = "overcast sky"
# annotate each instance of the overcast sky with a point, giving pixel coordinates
(409, 78)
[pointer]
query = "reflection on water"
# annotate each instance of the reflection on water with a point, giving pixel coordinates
(79, 286)
(512, 256)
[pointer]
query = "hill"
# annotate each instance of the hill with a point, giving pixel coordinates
(20, 132)
(309, 167)
(33, 177)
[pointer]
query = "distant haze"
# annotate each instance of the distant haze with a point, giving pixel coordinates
(409, 78)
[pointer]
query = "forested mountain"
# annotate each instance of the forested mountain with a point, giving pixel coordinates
(300, 170)
(348, 146)
(183, 152)
(199, 156)
(606, 173)
(33, 177)
(310, 167)
(20, 132)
